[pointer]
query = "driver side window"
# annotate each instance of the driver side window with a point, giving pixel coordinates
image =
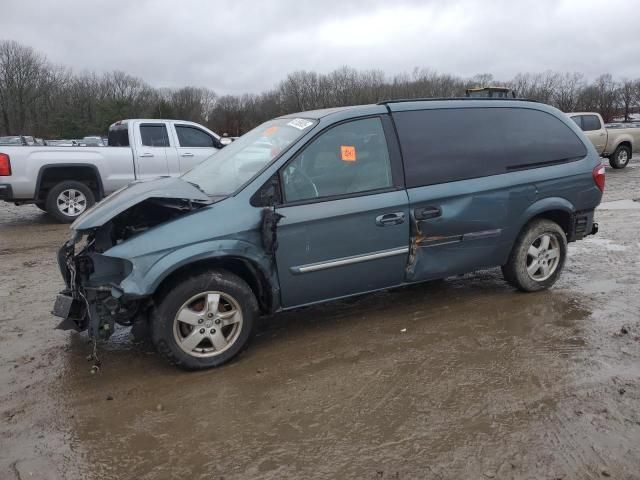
(349, 158)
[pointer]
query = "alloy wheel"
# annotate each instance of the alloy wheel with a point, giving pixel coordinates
(71, 202)
(623, 157)
(543, 257)
(208, 324)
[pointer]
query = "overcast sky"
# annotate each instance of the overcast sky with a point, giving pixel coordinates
(248, 46)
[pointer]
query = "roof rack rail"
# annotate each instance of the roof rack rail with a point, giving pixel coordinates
(437, 99)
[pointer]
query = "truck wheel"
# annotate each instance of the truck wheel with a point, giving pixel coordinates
(205, 320)
(537, 257)
(69, 199)
(620, 157)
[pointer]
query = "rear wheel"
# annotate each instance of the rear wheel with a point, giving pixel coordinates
(538, 257)
(67, 200)
(205, 320)
(620, 158)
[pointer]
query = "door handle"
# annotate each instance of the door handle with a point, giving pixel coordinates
(187, 154)
(602, 134)
(390, 219)
(146, 154)
(426, 213)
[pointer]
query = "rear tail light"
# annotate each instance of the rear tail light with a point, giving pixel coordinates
(5, 165)
(598, 177)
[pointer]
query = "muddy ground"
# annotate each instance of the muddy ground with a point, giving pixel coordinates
(484, 382)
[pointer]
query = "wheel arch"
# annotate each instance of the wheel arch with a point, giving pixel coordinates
(562, 217)
(556, 209)
(624, 141)
(247, 269)
(52, 174)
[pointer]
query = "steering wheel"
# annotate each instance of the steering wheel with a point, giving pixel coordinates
(303, 185)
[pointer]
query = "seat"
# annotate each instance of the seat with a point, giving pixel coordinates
(372, 167)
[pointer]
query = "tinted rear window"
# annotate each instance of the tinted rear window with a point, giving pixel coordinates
(455, 144)
(590, 123)
(154, 135)
(118, 136)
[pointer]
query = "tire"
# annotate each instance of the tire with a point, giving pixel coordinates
(210, 334)
(520, 270)
(80, 199)
(41, 205)
(620, 158)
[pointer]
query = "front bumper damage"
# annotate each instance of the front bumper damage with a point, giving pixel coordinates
(92, 299)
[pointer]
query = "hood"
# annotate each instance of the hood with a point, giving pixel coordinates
(167, 188)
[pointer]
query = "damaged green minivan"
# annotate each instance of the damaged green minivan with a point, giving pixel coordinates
(325, 204)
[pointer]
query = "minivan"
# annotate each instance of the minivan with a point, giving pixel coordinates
(326, 204)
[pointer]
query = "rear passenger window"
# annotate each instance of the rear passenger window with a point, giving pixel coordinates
(445, 145)
(193, 137)
(118, 136)
(154, 135)
(577, 120)
(590, 123)
(347, 159)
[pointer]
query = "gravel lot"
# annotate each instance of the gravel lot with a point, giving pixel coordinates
(484, 383)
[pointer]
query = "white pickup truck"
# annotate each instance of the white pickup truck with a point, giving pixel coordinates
(617, 142)
(65, 181)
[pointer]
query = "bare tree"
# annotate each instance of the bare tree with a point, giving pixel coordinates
(39, 98)
(567, 91)
(607, 96)
(628, 95)
(191, 103)
(23, 79)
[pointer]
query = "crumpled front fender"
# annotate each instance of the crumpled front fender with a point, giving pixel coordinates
(150, 270)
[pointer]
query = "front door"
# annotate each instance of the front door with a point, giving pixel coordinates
(346, 220)
(151, 156)
(194, 146)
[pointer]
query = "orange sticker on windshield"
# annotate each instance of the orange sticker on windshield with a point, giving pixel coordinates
(270, 131)
(348, 153)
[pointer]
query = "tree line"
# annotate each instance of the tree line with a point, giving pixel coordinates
(51, 101)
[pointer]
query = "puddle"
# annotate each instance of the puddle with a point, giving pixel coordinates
(465, 378)
(434, 365)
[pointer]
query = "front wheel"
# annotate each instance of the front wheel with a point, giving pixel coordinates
(205, 320)
(537, 257)
(620, 158)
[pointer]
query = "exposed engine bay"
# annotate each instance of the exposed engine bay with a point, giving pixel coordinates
(93, 299)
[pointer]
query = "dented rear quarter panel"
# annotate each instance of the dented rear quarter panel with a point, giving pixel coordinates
(496, 208)
(482, 217)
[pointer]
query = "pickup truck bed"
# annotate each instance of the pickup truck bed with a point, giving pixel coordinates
(65, 181)
(107, 169)
(617, 142)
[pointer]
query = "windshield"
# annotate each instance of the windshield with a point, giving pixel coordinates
(239, 162)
